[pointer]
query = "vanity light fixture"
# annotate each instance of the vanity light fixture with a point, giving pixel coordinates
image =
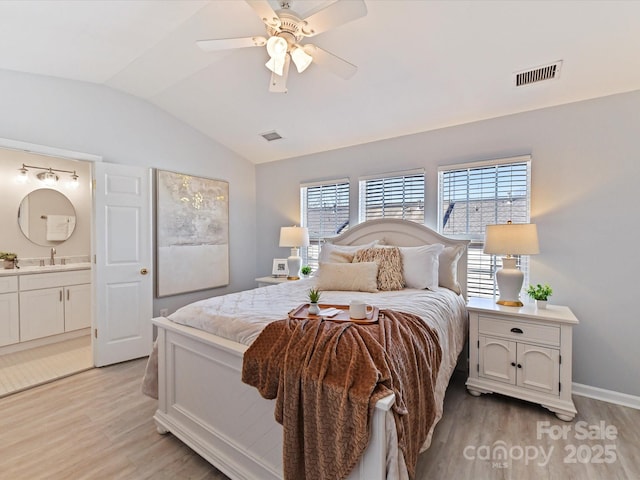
(47, 176)
(23, 175)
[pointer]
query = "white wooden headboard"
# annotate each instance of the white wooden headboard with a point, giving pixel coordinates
(402, 233)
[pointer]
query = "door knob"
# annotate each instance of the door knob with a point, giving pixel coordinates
(144, 271)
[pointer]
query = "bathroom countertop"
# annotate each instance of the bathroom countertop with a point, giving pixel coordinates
(30, 270)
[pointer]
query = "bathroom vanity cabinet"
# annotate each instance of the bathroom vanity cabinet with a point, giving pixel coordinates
(53, 303)
(39, 303)
(9, 318)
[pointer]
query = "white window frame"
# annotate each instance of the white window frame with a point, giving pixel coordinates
(481, 267)
(317, 238)
(406, 210)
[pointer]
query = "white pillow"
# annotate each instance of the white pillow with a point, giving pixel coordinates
(328, 248)
(448, 268)
(356, 277)
(420, 266)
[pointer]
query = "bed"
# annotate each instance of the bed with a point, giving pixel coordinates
(203, 402)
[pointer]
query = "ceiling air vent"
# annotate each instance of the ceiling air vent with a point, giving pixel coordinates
(538, 74)
(271, 136)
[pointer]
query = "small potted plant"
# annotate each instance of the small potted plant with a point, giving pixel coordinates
(314, 298)
(9, 259)
(540, 293)
(306, 271)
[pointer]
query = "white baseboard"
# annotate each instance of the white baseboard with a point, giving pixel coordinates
(610, 396)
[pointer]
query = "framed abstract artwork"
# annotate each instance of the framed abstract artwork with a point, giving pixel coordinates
(192, 233)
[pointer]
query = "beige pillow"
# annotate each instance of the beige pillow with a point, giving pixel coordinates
(389, 263)
(328, 248)
(336, 256)
(448, 268)
(357, 277)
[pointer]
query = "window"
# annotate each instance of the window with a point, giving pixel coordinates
(325, 212)
(472, 196)
(394, 196)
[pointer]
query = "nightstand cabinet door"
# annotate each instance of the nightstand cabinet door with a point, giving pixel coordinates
(538, 368)
(497, 359)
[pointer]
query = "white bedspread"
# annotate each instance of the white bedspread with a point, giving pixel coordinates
(242, 316)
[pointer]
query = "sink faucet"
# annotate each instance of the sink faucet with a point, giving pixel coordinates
(52, 260)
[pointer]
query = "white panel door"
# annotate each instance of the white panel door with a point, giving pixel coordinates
(122, 274)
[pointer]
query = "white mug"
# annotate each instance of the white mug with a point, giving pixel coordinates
(357, 310)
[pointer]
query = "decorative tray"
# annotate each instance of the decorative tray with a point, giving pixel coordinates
(342, 314)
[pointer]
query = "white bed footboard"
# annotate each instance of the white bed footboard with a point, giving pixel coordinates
(204, 403)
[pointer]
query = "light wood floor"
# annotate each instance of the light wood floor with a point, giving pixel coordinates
(39, 365)
(97, 425)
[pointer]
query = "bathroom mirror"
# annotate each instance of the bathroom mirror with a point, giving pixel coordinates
(46, 217)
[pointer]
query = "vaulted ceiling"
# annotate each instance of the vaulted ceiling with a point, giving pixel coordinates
(422, 65)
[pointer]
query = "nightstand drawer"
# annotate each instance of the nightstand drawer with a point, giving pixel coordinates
(519, 331)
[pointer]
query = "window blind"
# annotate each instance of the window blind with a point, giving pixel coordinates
(473, 196)
(325, 212)
(393, 196)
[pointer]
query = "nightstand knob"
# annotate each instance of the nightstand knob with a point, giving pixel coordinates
(519, 366)
(513, 364)
(516, 330)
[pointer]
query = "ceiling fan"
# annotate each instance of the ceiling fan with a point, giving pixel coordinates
(286, 30)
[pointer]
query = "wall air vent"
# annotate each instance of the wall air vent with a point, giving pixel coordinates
(271, 136)
(538, 74)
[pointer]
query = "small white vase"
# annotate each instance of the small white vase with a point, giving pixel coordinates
(314, 309)
(541, 304)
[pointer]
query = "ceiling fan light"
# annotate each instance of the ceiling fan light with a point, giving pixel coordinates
(277, 50)
(276, 46)
(275, 65)
(301, 58)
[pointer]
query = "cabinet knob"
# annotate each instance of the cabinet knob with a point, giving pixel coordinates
(513, 364)
(516, 330)
(519, 366)
(144, 271)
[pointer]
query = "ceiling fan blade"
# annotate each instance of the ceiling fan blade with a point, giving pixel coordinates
(265, 12)
(336, 65)
(337, 13)
(278, 84)
(229, 43)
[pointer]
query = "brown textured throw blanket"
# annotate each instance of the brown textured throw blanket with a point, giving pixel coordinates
(326, 378)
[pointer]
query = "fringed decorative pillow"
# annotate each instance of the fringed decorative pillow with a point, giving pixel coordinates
(389, 263)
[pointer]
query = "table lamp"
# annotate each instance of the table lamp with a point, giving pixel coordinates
(294, 237)
(510, 239)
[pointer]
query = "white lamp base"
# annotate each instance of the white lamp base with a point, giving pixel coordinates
(510, 280)
(294, 262)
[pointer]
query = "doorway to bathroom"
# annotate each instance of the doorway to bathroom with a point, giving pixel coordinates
(45, 296)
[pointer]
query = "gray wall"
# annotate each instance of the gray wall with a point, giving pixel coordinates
(585, 172)
(123, 129)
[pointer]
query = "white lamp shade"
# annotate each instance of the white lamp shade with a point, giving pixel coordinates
(511, 239)
(294, 237)
(301, 59)
(277, 50)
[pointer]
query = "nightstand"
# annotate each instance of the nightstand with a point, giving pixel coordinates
(270, 280)
(523, 352)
